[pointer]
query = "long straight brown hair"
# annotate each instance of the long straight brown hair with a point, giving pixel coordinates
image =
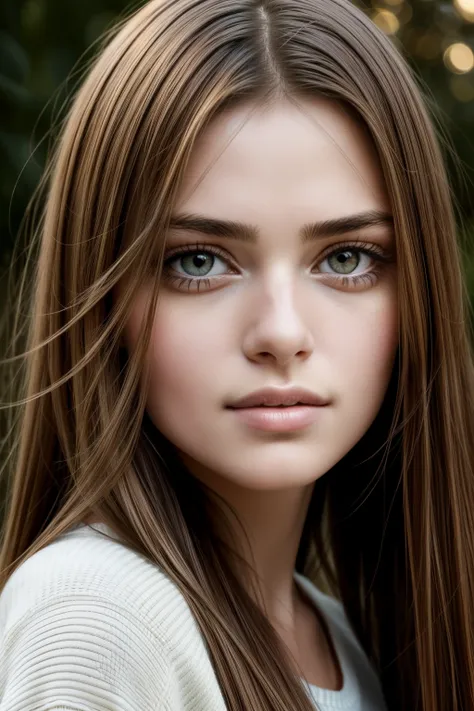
(391, 527)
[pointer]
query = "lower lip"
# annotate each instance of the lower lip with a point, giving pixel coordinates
(278, 419)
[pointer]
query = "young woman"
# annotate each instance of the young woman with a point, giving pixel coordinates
(244, 466)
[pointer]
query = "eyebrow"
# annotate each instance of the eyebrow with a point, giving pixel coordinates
(230, 229)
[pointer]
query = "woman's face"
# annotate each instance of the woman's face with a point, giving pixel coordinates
(276, 303)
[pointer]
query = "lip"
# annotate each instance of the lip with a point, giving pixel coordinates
(275, 397)
(278, 419)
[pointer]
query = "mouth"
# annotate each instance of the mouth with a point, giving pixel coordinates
(279, 409)
(296, 404)
(280, 397)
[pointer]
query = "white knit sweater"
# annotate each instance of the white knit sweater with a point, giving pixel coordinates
(88, 625)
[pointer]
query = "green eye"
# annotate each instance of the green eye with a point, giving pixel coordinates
(198, 264)
(344, 262)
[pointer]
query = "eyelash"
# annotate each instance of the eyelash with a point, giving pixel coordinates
(380, 256)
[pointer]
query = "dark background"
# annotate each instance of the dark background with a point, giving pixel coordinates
(44, 45)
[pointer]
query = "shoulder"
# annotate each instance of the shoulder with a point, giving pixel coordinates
(89, 620)
(85, 563)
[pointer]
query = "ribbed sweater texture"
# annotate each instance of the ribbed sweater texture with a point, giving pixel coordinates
(86, 624)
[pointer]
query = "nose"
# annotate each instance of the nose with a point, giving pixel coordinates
(278, 333)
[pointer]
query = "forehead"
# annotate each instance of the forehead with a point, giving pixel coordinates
(269, 161)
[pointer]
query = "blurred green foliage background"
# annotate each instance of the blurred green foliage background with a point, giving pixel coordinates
(42, 41)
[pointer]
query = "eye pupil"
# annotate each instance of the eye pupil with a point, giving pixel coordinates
(199, 260)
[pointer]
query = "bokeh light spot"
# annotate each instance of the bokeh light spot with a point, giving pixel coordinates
(459, 58)
(386, 21)
(465, 9)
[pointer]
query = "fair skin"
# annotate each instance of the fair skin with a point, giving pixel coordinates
(276, 312)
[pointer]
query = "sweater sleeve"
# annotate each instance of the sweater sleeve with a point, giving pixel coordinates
(80, 652)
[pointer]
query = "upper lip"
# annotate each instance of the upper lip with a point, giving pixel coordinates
(279, 396)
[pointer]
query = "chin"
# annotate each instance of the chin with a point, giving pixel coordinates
(281, 466)
(273, 480)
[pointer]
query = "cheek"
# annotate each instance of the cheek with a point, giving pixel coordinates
(366, 347)
(184, 352)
